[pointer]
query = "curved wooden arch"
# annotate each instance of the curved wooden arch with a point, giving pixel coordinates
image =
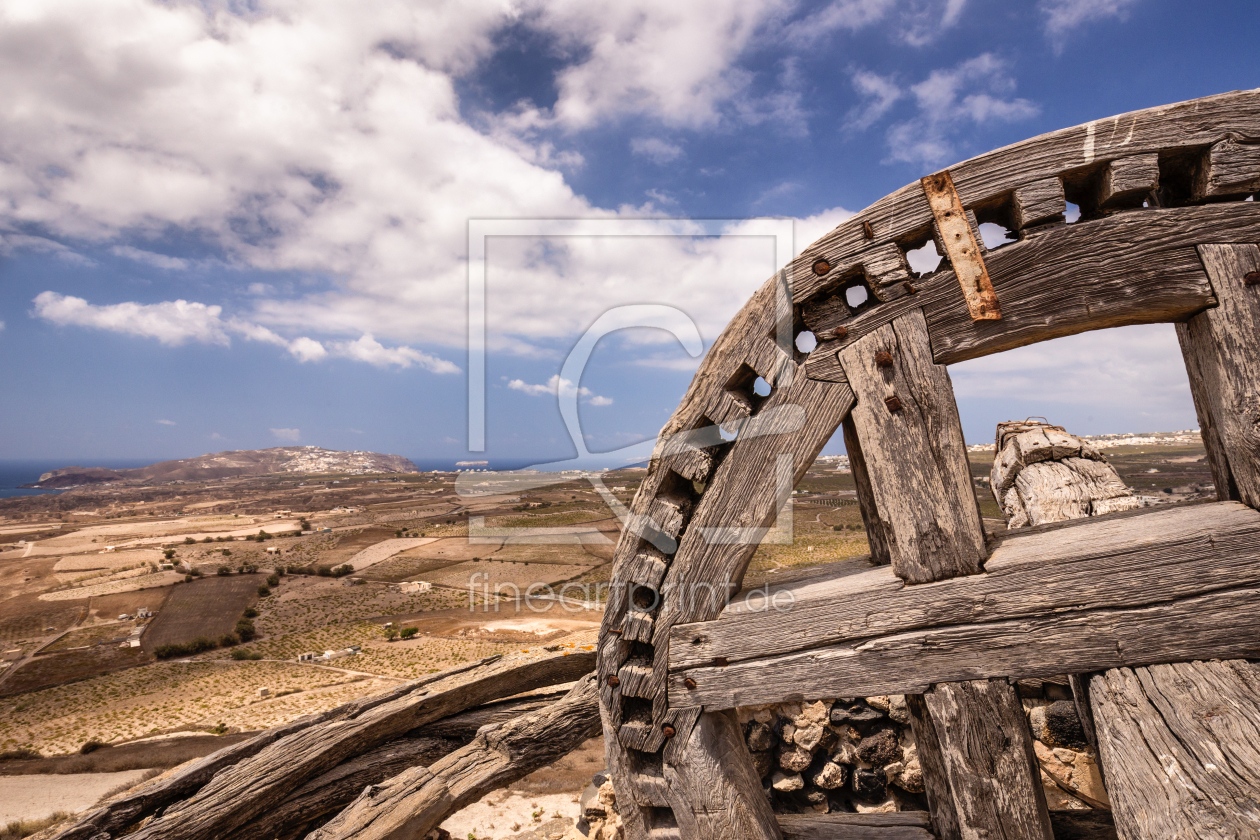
(1152, 187)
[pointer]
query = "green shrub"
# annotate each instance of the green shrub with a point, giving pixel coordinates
(168, 553)
(250, 612)
(263, 591)
(342, 570)
(245, 630)
(224, 571)
(243, 655)
(324, 571)
(20, 754)
(91, 746)
(273, 580)
(408, 632)
(228, 640)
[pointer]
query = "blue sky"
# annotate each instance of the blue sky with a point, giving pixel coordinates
(229, 224)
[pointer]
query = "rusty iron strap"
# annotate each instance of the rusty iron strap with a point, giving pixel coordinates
(961, 247)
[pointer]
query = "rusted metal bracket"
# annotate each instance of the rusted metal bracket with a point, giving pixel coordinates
(961, 247)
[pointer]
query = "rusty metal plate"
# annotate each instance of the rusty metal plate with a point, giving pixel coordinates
(961, 247)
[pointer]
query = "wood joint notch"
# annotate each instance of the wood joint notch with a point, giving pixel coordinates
(961, 247)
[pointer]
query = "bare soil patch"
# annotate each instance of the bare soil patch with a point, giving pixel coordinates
(72, 666)
(207, 607)
(39, 797)
(136, 755)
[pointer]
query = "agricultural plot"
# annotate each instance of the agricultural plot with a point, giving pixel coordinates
(107, 560)
(208, 607)
(89, 636)
(60, 668)
(170, 695)
(385, 549)
(506, 574)
(305, 603)
(128, 581)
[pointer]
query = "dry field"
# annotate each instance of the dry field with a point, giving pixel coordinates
(108, 560)
(385, 549)
(89, 636)
(308, 602)
(207, 607)
(129, 581)
(500, 575)
(170, 695)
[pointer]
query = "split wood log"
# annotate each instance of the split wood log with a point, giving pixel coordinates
(910, 439)
(113, 819)
(875, 528)
(1125, 560)
(237, 795)
(903, 825)
(1132, 268)
(1222, 351)
(322, 797)
(943, 816)
(989, 760)
(1224, 625)
(1182, 748)
(1042, 474)
(417, 800)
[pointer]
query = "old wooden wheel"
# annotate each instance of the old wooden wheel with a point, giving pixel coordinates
(1166, 234)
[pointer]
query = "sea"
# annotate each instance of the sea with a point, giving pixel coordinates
(14, 473)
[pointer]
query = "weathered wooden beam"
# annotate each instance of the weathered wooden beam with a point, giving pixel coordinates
(113, 818)
(1221, 347)
(1124, 560)
(1182, 749)
(988, 755)
(417, 800)
(907, 427)
(238, 794)
(943, 815)
(1129, 268)
(900, 215)
(1230, 168)
(1038, 203)
(1223, 625)
(1128, 180)
(322, 797)
(961, 247)
(876, 535)
(903, 825)
(911, 441)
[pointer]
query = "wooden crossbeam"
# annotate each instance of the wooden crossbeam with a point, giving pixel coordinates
(1123, 560)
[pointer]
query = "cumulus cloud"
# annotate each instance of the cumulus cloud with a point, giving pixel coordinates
(177, 322)
(166, 422)
(171, 322)
(368, 349)
(558, 386)
(655, 149)
(1063, 16)
(327, 138)
(292, 435)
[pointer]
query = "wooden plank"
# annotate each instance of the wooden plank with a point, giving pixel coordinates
(961, 248)
(988, 755)
(1222, 351)
(987, 177)
(915, 453)
(1130, 268)
(902, 825)
(944, 817)
(1121, 561)
(416, 801)
(1182, 749)
(1224, 625)
(874, 526)
(238, 794)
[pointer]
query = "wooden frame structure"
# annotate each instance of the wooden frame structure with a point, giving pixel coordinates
(1167, 233)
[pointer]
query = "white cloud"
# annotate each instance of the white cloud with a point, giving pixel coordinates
(368, 349)
(974, 92)
(166, 422)
(558, 386)
(150, 258)
(1062, 16)
(1139, 366)
(287, 434)
(170, 322)
(914, 22)
(879, 93)
(1, 326)
(176, 322)
(327, 138)
(216, 436)
(655, 149)
(307, 349)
